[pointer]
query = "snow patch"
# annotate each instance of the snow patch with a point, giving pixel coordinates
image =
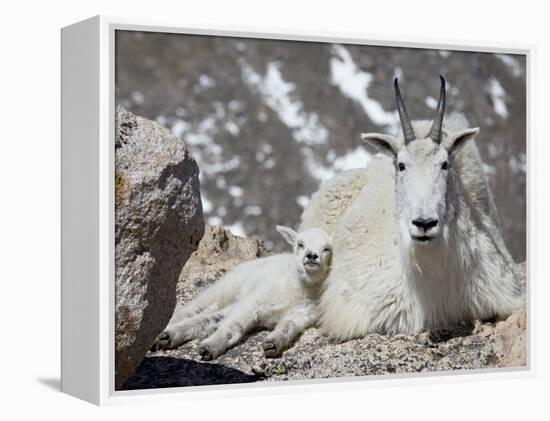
(492, 150)
(518, 164)
(206, 81)
(497, 94)
(232, 128)
(489, 169)
(253, 210)
(206, 204)
(354, 84)
(138, 97)
(218, 165)
(278, 95)
(357, 158)
(215, 220)
(235, 191)
(269, 163)
(315, 168)
(431, 102)
(235, 105)
(237, 229)
(511, 63)
(303, 201)
(180, 127)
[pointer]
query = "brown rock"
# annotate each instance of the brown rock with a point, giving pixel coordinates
(219, 251)
(509, 338)
(158, 224)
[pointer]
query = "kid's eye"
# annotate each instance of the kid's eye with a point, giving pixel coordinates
(327, 250)
(401, 166)
(300, 245)
(445, 165)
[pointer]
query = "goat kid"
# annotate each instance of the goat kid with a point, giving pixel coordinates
(277, 292)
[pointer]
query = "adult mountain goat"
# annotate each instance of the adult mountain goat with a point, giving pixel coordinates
(416, 239)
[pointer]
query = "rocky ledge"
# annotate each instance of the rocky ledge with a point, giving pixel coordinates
(477, 345)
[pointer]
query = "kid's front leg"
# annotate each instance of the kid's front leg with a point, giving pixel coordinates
(288, 329)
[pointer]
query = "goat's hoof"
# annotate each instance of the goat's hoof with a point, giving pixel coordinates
(271, 350)
(206, 353)
(163, 342)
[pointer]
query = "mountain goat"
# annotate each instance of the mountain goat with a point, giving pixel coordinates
(278, 292)
(418, 245)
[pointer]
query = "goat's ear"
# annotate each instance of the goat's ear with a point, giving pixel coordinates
(384, 143)
(454, 142)
(288, 234)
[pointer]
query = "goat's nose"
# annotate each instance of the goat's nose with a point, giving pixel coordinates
(311, 255)
(425, 224)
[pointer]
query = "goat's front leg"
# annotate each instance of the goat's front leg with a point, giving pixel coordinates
(293, 323)
(230, 331)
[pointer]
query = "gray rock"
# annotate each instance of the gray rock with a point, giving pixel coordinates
(470, 346)
(158, 224)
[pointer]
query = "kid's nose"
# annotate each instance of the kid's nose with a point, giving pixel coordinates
(425, 224)
(311, 255)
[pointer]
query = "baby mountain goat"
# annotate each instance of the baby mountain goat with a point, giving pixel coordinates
(416, 237)
(276, 292)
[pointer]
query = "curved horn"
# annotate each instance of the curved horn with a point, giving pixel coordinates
(435, 131)
(408, 132)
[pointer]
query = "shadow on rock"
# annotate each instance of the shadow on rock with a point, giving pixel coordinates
(444, 335)
(160, 372)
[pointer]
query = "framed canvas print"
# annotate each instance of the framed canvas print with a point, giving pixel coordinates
(248, 210)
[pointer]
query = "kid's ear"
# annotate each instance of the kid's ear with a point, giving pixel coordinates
(288, 234)
(454, 142)
(384, 143)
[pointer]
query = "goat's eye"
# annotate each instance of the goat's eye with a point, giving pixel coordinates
(401, 166)
(327, 250)
(300, 245)
(445, 165)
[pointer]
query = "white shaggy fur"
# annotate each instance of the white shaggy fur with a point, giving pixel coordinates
(381, 279)
(329, 204)
(278, 292)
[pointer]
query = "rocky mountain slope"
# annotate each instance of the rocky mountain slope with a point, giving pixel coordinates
(269, 120)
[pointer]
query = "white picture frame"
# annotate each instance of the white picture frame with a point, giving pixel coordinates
(88, 110)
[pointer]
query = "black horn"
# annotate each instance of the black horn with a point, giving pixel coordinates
(435, 131)
(408, 132)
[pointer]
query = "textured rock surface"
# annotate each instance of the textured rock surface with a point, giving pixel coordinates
(158, 224)
(219, 251)
(479, 345)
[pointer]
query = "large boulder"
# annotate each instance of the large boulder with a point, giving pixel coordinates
(470, 346)
(158, 224)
